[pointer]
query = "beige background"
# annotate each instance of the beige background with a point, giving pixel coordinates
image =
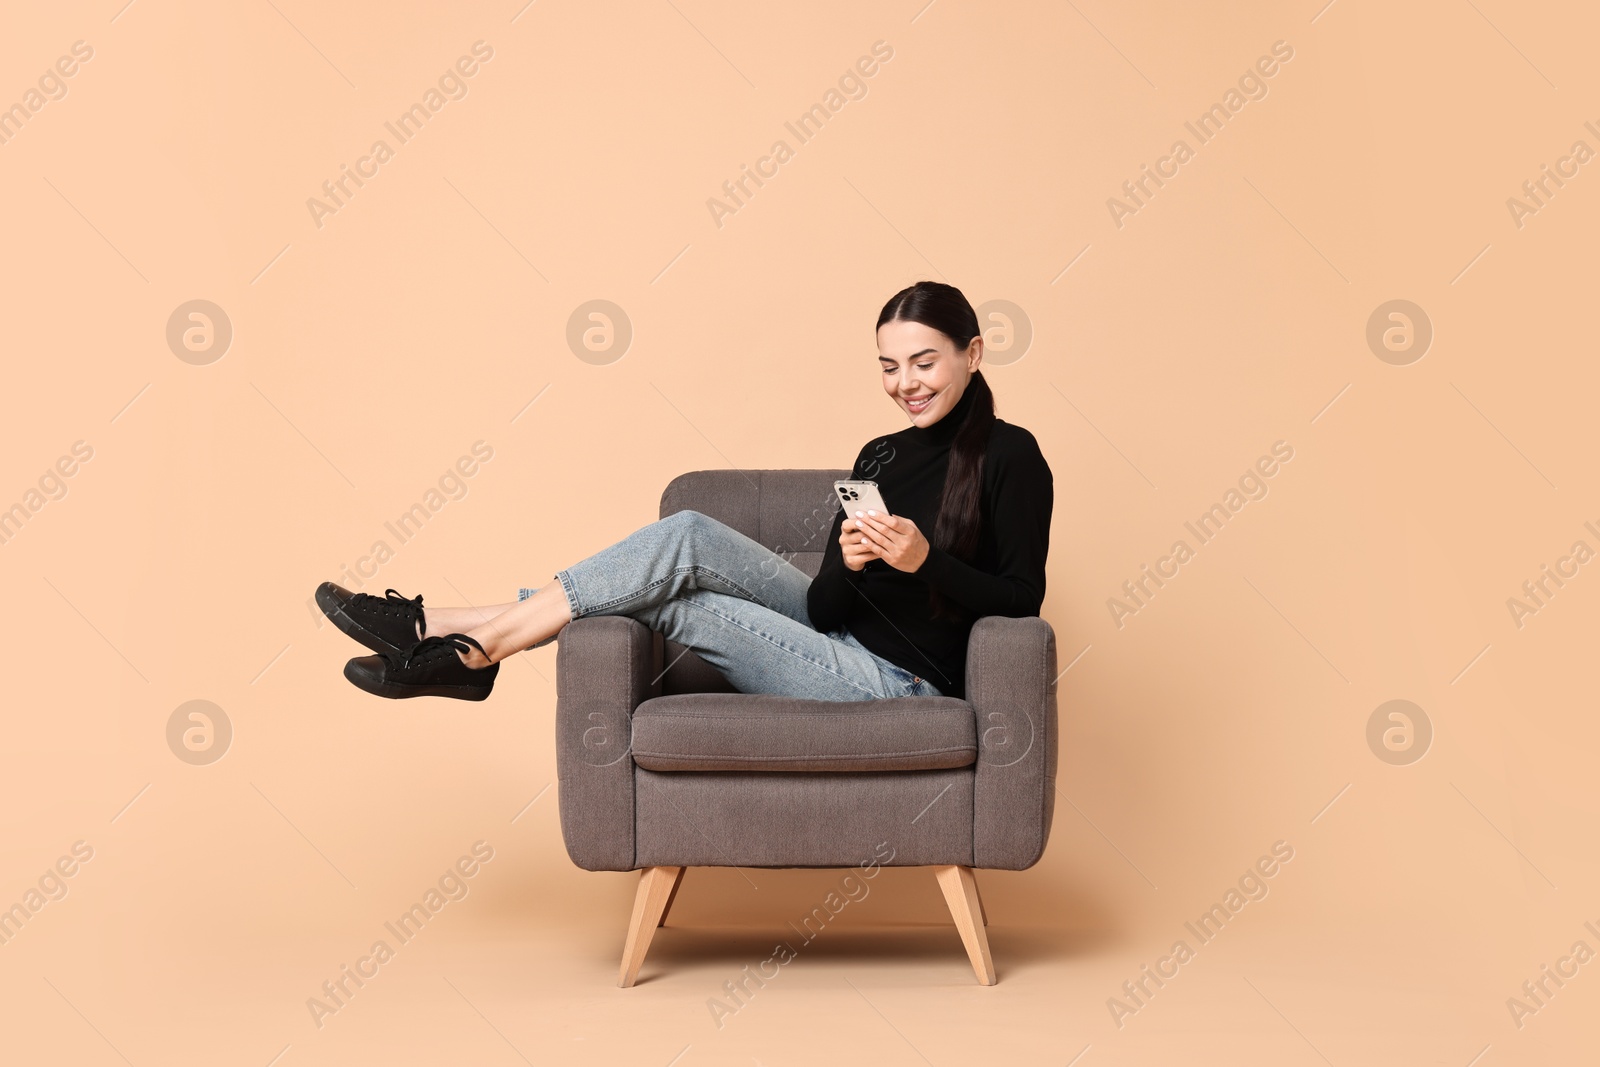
(369, 354)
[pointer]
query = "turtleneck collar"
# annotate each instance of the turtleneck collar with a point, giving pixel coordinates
(943, 432)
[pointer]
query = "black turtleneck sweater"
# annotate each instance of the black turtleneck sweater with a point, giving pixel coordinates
(888, 610)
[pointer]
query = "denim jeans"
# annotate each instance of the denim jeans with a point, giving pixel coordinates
(739, 605)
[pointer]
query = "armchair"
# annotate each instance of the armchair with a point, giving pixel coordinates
(663, 765)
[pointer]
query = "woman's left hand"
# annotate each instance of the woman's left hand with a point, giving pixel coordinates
(894, 538)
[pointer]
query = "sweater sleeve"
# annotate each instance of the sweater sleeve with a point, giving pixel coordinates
(1024, 497)
(831, 598)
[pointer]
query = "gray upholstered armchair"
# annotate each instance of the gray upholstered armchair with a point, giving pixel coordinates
(664, 765)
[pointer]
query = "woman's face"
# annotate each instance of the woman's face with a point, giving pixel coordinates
(922, 370)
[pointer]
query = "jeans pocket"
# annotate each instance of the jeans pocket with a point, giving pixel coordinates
(903, 682)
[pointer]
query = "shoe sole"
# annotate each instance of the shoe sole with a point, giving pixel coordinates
(396, 691)
(330, 607)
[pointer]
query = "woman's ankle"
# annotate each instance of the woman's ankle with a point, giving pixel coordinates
(441, 621)
(475, 659)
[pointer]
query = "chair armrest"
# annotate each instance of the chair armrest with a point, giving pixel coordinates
(1011, 671)
(605, 668)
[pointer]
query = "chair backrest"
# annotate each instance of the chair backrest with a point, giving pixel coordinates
(788, 511)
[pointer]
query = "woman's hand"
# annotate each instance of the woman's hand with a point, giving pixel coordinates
(856, 548)
(892, 538)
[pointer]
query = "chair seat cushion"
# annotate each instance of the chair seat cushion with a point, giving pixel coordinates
(761, 732)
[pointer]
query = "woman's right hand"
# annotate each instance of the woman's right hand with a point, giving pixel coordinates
(855, 545)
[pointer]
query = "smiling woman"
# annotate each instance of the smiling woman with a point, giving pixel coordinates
(971, 497)
(891, 608)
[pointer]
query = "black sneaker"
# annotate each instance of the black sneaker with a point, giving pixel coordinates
(387, 623)
(429, 668)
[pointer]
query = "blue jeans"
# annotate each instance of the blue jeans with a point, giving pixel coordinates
(739, 605)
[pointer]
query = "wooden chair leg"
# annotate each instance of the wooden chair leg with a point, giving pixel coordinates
(961, 894)
(676, 882)
(655, 886)
(982, 911)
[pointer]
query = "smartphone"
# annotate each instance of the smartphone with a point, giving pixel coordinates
(857, 496)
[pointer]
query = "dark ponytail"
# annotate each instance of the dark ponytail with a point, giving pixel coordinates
(943, 307)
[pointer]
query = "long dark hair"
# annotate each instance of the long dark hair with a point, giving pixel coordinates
(943, 307)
